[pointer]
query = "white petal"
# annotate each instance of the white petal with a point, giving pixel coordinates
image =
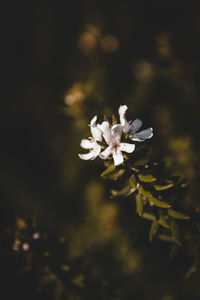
(93, 121)
(129, 148)
(142, 135)
(124, 123)
(96, 151)
(135, 126)
(106, 131)
(116, 132)
(87, 156)
(86, 144)
(118, 158)
(96, 133)
(104, 154)
(122, 110)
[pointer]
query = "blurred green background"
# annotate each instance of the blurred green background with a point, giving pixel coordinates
(64, 62)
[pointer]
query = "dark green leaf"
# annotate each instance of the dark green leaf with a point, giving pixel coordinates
(166, 238)
(132, 181)
(153, 229)
(159, 203)
(115, 175)
(163, 222)
(144, 192)
(175, 233)
(146, 178)
(163, 187)
(139, 204)
(177, 215)
(148, 216)
(108, 171)
(126, 191)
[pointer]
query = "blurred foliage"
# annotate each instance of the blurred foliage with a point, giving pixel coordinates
(62, 236)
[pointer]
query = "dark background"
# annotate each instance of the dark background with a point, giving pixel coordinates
(63, 63)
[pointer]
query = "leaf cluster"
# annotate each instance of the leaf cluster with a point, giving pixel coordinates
(152, 187)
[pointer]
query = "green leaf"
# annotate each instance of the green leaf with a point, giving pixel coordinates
(146, 178)
(159, 203)
(119, 174)
(163, 222)
(177, 215)
(108, 171)
(144, 192)
(139, 204)
(132, 181)
(126, 191)
(153, 229)
(115, 175)
(175, 233)
(166, 238)
(163, 187)
(141, 162)
(148, 216)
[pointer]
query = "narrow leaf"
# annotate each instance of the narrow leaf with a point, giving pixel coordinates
(163, 219)
(163, 187)
(177, 215)
(132, 181)
(148, 216)
(159, 203)
(153, 229)
(166, 238)
(118, 174)
(126, 191)
(108, 171)
(144, 192)
(146, 178)
(163, 222)
(175, 233)
(139, 204)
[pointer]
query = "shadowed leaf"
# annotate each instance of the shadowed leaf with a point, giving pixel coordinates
(148, 216)
(153, 229)
(146, 178)
(159, 203)
(163, 187)
(132, 181)
(126, 191)
(139, 204)
(108, 171)
(166, 238)
(163, 222)
(175, 233)
(177, 215)
(144, 192)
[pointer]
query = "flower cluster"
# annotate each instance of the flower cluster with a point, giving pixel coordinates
(112, 135)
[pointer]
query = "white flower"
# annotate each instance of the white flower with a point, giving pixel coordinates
(131, 128)
(124, 123)
(113, 139)
(91, 143)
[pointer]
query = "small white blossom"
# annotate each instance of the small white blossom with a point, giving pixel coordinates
(91, 143)
(131, 128)
(112, 137)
